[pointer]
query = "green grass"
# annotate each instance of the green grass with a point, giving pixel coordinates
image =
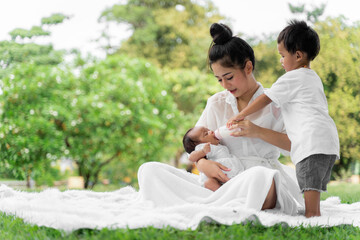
(14, 228)
(348, 193)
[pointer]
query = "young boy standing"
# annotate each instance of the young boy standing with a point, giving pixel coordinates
(300, 95)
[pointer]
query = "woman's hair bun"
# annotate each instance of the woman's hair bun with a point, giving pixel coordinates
(220, 33)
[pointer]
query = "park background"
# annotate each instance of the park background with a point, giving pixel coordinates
(100, 114)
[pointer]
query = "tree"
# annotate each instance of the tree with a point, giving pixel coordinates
(115, 110)
(17, 51)
(267, 70)
(29, 138)
(337, 66)
(93, 112)
(168, 33)
(118, 110)
(312, 15)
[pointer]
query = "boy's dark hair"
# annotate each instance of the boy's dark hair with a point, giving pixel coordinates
(298, 36)
(232, 51)
(188, 142)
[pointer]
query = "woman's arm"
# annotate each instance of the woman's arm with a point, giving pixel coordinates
(248, 129)
(277, 139)
(213, 169)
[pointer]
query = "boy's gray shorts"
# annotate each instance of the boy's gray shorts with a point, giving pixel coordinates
(313, 172)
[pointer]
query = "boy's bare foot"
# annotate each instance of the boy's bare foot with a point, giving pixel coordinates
(312, 203)
(312, 214)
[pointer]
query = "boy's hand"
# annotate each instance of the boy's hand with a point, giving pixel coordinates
(206, 149)
(235, 119)
(248, 129)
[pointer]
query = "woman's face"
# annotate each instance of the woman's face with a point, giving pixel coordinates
(232, 79)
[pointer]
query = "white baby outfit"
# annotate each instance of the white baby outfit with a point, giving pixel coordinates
(220, 153)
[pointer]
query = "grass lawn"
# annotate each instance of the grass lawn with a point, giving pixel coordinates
(15, 228)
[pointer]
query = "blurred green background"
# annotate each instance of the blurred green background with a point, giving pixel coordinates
(102, 118)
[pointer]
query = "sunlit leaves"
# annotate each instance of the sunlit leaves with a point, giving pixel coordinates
(28, 119)
(55, 18)
(169, 33)
(126, 117)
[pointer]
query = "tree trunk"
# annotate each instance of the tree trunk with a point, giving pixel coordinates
(86, 180)
(28, 179)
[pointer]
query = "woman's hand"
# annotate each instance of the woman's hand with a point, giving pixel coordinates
(213, 169)
(248, 129)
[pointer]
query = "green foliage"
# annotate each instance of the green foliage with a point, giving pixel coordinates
(115, 110)
(312, 14)
(296, 9)
(54, 19)
(111, 116)
(337, 66)
(23, 33)
(169, 33)
(36, 31)
(267, 69)
(190, 89)
(118, 110)
(12, 53)
(29, 137)
(46, 175)
(15, 51)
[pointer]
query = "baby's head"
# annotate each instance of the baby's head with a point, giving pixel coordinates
(197, 135)
(298, 44)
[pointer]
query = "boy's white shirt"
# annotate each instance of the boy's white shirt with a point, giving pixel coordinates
(300, 95)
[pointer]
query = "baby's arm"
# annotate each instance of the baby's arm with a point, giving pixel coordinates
(199, 154)
(259, 103)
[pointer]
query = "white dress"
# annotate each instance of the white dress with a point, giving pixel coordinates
(165, 185)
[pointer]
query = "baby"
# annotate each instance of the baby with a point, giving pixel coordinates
(201, 142)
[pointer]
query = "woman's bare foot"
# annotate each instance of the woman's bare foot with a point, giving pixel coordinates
(270, 200)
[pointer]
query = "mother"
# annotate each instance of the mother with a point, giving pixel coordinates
(232, 60)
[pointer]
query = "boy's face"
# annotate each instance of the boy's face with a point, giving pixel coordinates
(204, 135)
(288, 60)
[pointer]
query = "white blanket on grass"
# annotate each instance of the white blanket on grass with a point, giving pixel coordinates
(127, 208)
